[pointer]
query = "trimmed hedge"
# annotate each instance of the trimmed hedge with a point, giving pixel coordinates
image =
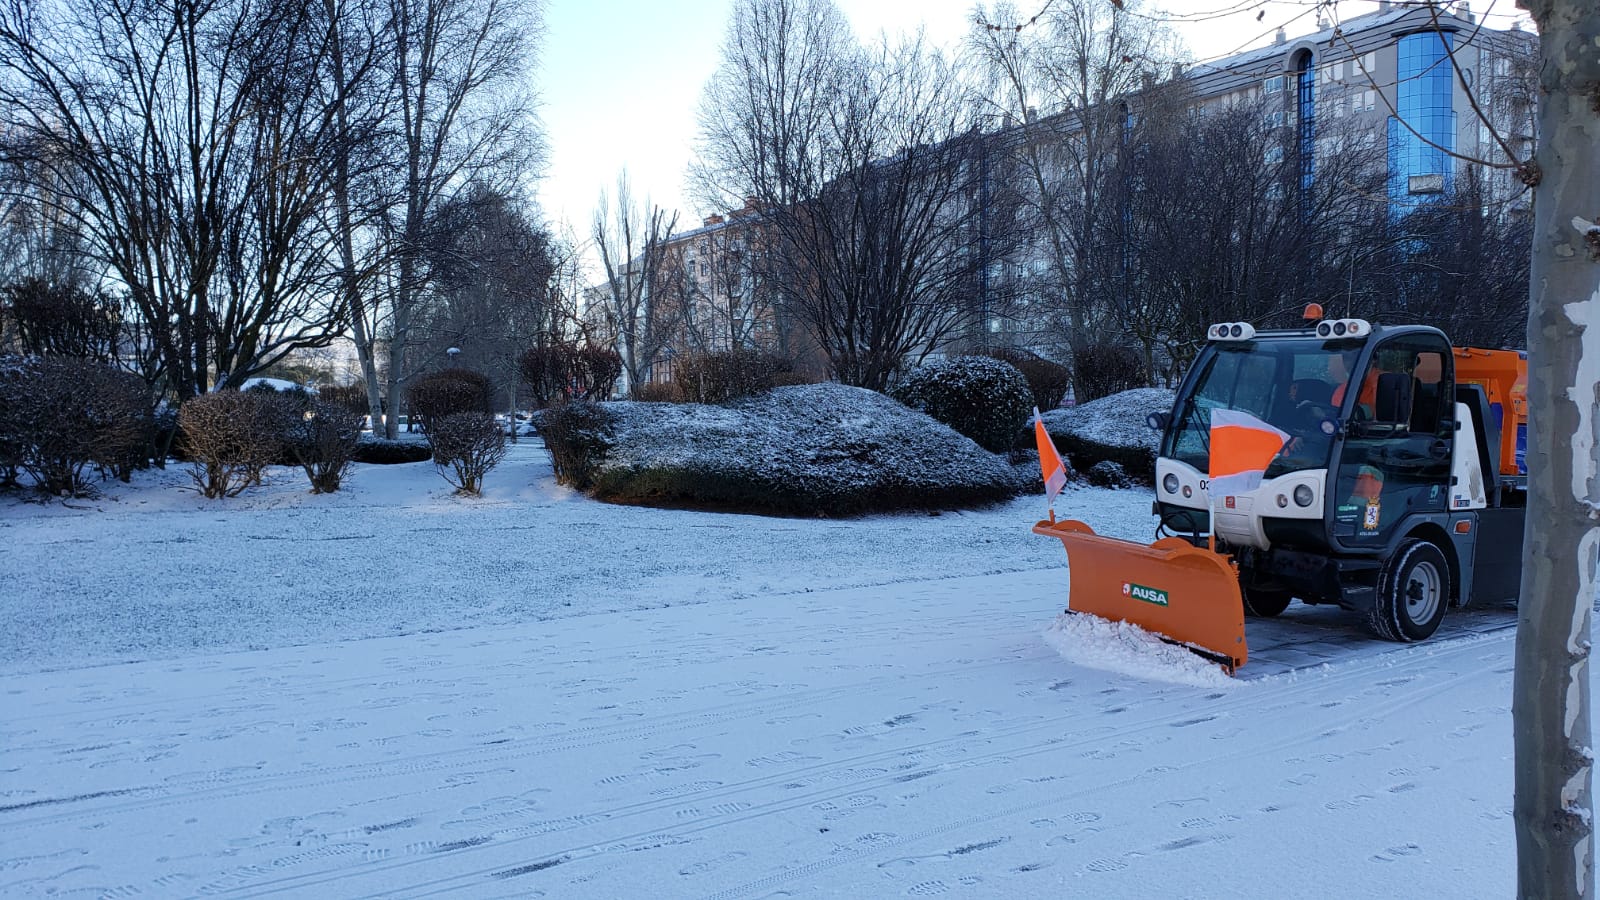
(1112, 428)
(808, 450)
(725, 375)
(384, 452)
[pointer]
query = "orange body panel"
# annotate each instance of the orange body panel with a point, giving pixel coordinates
(1179, 591)
(1503, 375)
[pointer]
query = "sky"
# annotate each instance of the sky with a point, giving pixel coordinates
(621, 80)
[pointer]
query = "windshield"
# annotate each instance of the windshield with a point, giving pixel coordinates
(1293, 384)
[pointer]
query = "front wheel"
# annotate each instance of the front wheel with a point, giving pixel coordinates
(1265, 603)
(1413, 591)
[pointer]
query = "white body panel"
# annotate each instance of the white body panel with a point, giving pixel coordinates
(1237, 517)
(1467, 490)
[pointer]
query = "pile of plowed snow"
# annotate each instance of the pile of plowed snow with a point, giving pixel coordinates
(1127, 649)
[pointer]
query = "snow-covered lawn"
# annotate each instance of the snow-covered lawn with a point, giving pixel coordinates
(537, 695)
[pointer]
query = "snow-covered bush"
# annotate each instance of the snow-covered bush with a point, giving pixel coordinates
(323, 441)
(984, 398)
(11, 442)
(1046, 379)
(60, 416)
(230, 437)
(808, 450)
(380, 451)
(1111, 428)
(577, 436)
(1107, 473)
(466, 445)
(446, 392)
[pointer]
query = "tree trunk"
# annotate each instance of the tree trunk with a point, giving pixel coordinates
(397, 347)
(1550, 704)
(341, 193)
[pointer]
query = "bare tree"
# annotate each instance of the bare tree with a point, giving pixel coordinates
(1214, 224)
(638, 296)
(489, 272)
(360, 100)
(459, 70)
(1550, 701)
(176, 138)
(868, 172)
(1065, 82)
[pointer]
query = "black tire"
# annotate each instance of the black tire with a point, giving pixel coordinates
(1413, 593)
(1265, 604)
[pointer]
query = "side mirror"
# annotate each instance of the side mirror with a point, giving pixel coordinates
(1158, 421)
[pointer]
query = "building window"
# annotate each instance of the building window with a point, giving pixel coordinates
(1274, 84)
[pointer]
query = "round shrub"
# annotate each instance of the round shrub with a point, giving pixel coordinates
(576, 435)
(322, 441)
(351, 397)
(230, 437)
(446, 392)
(983, 398)
(60, 416)
(466, 446)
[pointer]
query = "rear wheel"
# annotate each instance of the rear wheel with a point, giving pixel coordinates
(1265, 603)
(1413, 591)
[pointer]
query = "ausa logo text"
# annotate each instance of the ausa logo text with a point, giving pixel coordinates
(1147, 594)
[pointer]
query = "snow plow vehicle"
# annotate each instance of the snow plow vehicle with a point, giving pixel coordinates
(1375, 467)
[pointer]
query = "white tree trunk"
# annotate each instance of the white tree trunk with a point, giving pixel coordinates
(1550, 705)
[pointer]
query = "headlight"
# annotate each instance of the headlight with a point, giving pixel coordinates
(1303, 495)
(1282, 501)
(1187, 492)
(1170, 483)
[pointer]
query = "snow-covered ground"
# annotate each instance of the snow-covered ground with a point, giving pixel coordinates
(536, 695)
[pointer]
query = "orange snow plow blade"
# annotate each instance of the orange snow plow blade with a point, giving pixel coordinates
(1183, 593)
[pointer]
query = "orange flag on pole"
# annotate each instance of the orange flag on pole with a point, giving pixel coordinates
(1241, 448)
(1050, 464)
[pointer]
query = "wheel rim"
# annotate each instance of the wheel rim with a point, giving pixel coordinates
(1423, 590)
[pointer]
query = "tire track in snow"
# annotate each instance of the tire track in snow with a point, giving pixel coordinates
(1315, 732)
(1358, 670)
(517, 749)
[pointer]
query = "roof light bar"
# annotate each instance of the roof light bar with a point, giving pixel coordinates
(1231, 331)
(1344, 328)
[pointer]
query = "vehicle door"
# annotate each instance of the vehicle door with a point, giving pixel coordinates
(1395, 457)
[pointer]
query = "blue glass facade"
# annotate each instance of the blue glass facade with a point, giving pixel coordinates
(1307, 110)
(1424, 101)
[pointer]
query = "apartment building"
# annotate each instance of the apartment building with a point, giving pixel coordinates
(1431, 86)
